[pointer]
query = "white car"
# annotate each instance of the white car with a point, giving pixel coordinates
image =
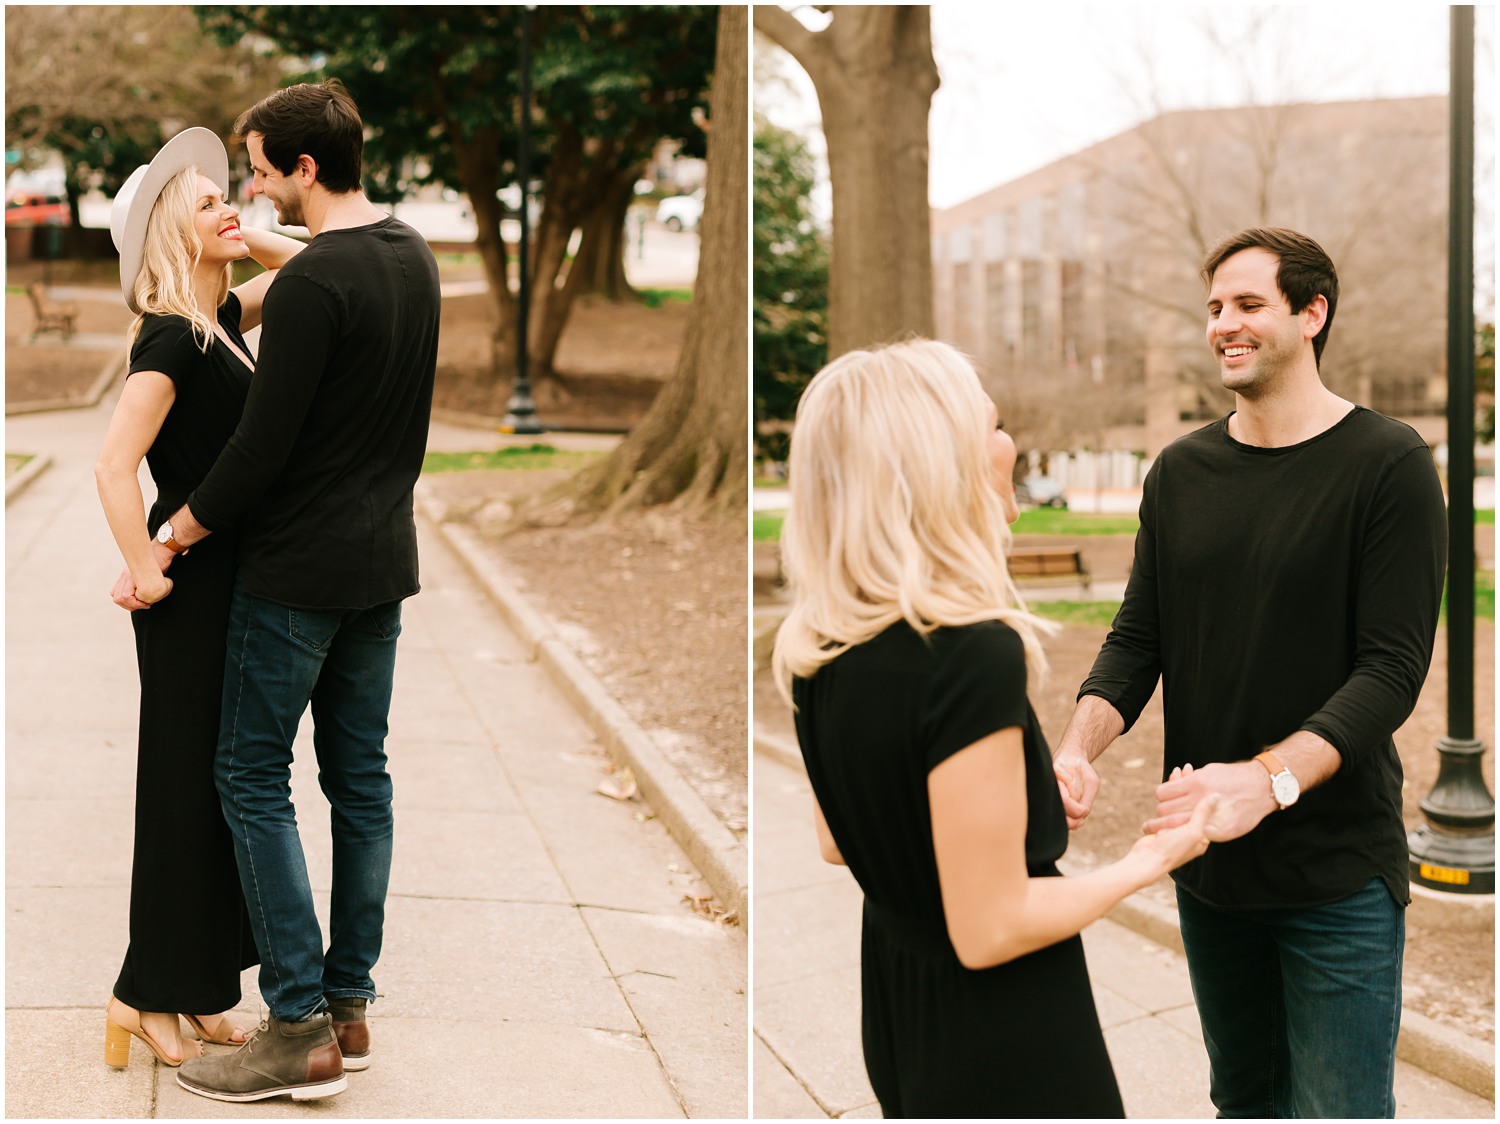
(681, 212)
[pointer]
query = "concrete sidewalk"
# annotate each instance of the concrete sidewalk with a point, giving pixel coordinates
(539, 960)
(807, 1058)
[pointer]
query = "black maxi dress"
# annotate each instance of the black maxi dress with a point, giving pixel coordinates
(1021, 1039)
(190, 933)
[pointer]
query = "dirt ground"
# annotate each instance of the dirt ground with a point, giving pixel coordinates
(48, 369)
(612, 359)
(1449, 973)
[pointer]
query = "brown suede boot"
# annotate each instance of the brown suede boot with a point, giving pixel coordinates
(298, 1059)
(351, 1029)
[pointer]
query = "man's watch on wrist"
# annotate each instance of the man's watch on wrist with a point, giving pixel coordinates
(1284, 786)
(164, 536)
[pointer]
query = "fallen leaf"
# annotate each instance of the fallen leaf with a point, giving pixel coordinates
(622, 787)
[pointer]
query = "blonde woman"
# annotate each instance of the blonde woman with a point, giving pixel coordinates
(190, 370)
(907, 654)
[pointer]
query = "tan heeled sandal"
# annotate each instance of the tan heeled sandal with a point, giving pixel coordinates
(219, 1035)
(121, 1023)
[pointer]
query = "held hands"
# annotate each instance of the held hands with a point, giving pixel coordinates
(131, 595)
(1244, 798)
(1169, 847)
(1077, 782)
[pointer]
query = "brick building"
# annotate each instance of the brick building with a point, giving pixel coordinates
(1076, 287)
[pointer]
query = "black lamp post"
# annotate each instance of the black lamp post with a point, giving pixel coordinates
(521, 409)
(1455, 850)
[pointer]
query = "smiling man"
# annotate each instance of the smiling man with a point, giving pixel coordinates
(1285, 592)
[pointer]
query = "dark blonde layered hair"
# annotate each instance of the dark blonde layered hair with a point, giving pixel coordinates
(893, 510)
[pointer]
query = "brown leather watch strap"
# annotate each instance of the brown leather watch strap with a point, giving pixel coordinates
(1271, 762)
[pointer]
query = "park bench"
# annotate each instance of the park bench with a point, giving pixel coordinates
(1040, 563)
(51, 315)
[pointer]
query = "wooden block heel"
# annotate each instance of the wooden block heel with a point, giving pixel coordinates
(116, 1044)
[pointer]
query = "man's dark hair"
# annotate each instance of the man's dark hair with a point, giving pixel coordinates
(319, 119)
(1302, 272)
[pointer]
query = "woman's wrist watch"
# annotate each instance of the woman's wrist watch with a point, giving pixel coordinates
(1284, 786)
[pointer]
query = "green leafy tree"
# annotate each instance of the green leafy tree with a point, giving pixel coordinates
(790, 276)
(689, 451)
(438, 88)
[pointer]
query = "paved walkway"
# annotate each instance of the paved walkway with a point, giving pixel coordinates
(807, 1060)
(539, 961)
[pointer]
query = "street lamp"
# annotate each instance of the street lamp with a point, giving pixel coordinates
(521, 409)
(1455, 850)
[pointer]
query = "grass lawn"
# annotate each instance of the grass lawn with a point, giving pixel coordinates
(1077, 612)
(513, 457)
(767, 526)
(1035, 521)
(1053, 521)
(655, 298)
(1484, 596)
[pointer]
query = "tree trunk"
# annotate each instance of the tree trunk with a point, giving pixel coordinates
(574, 191)
(479, 172)
(874, 74)
(691, 447)
(599, 267)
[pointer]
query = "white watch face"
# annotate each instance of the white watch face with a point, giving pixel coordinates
(164, 534)
(1284, 788)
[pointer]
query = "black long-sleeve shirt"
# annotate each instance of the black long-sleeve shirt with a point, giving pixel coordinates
(1278, 590)
(322, 465)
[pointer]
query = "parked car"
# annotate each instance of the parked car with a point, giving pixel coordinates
(30, 209)
(1040, 491)
(681, 212)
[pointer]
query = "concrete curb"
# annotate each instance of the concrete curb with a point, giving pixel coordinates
(102, 382)
(1423, 1042)
(719, 856)
(28, 472)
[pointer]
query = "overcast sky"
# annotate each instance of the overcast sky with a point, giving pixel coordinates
(1024, 85)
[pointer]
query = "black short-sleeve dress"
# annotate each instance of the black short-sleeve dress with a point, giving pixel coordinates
(1021, 1039)
(190, 934)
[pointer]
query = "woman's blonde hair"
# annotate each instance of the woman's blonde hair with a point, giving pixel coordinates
(893, 513)
(169, 257)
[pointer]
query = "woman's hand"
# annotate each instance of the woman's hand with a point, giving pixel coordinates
(1169, 848)
(131, 595)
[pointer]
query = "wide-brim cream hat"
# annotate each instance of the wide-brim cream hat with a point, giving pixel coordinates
(132, 206)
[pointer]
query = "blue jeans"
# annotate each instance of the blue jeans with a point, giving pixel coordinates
(342, 662)
(1299, 1007)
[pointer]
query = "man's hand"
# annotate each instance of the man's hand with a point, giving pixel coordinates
(1077, 782)
(128, 596)
(1244, 792)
